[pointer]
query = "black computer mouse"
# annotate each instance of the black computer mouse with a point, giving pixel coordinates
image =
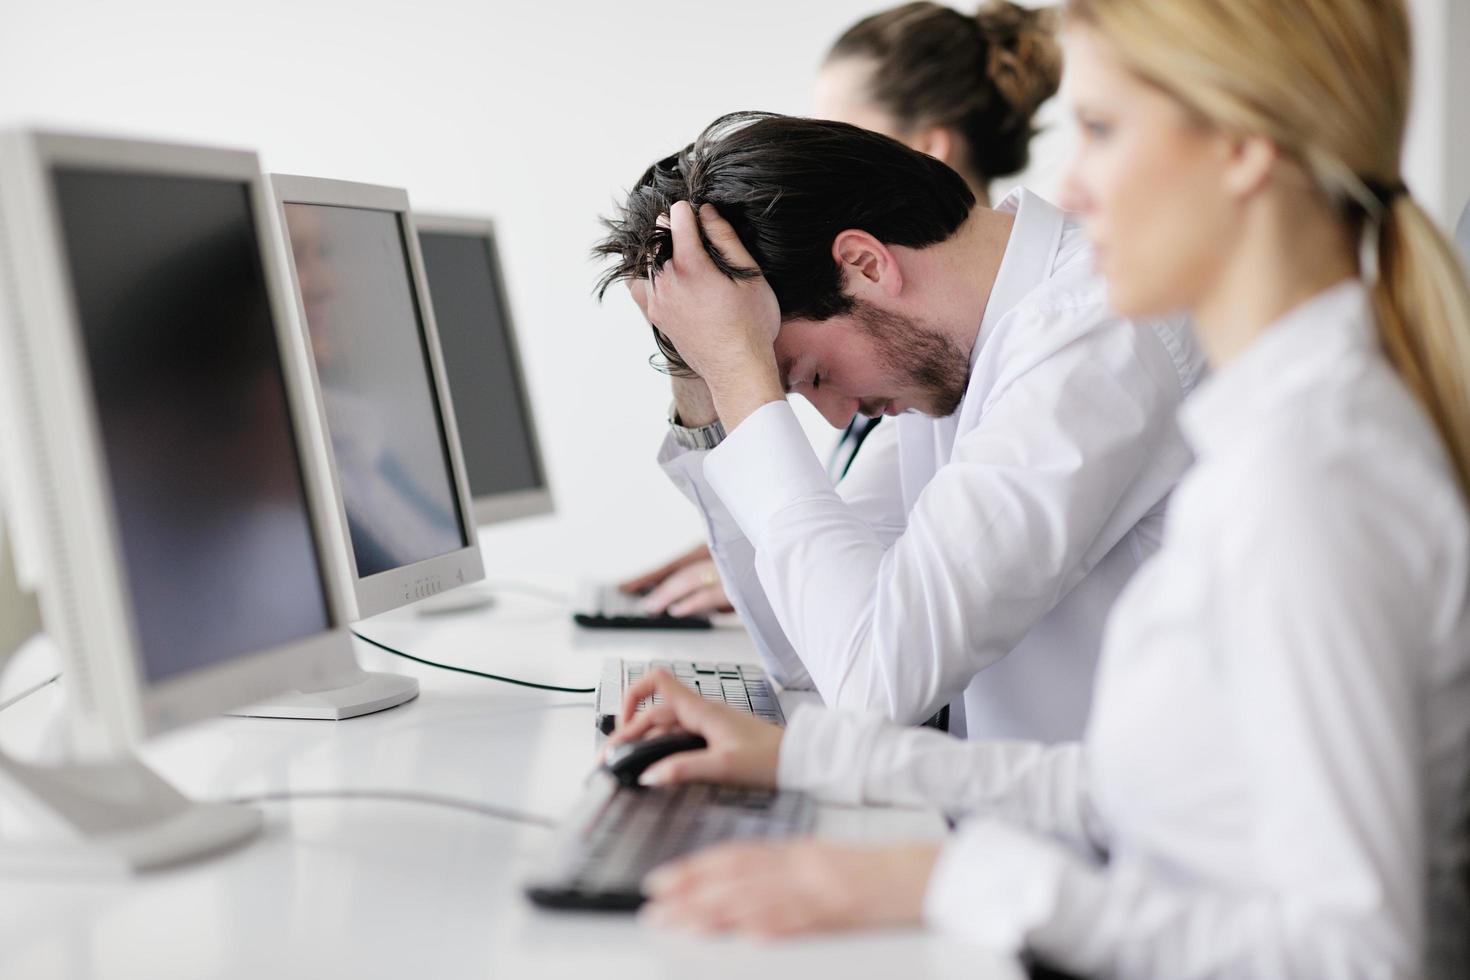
(627, 762)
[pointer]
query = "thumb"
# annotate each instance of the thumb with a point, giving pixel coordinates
(683, 767)
(721, 234)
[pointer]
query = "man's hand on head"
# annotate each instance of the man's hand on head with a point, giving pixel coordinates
(692, 400)
(725, 329)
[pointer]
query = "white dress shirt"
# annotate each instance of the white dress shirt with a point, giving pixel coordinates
(1274, 780)
(1006, 530)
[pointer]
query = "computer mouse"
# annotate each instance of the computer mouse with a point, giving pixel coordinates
(627, 762)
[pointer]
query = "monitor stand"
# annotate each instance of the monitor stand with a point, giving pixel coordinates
(112, 817)
(347, 695)
(466, 598)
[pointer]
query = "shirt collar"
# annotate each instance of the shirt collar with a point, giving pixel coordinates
(1030, 254)
(1299, 348)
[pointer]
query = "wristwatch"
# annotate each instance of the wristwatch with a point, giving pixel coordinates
(701, 437)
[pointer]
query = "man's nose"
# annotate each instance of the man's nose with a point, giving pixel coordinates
(837, 409)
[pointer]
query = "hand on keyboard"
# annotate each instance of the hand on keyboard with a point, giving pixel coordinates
(687, 586)
(780, 889)
(742, 749)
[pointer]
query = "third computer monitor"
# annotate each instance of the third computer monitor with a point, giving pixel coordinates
(394, 449)
(482, 362)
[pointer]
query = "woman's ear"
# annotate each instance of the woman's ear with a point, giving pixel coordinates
(868, 267)
(937, 141)
(1249, 162)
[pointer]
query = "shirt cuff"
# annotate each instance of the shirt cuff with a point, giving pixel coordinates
(824, 752)
(995, 884)
(685, 467)
(766, 464)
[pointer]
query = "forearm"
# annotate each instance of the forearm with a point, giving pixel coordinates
(735, 557)
(857, 758)
(693, 402)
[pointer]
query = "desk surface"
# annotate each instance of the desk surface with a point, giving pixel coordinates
(368, 888)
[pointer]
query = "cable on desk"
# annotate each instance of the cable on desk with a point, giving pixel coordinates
(28, 691)
(399, 796)
(526, 588)
(475, 673)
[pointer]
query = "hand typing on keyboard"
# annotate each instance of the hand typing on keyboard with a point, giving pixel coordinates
(772, 889)
(741, 749)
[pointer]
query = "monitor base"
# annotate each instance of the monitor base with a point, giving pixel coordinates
(113, 818)
(359, 693)
(466, 598)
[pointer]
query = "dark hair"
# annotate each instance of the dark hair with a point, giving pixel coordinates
(984, 75)
(788, 186)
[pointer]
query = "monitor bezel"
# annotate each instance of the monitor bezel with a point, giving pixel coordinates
(497, 507)
(83, 592)
(384, 591)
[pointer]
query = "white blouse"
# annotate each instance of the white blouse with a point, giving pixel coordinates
(1274, 779)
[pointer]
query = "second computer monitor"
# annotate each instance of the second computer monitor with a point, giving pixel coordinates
(405, 519)
(482, 361)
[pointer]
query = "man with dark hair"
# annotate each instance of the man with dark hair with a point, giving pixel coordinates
(974, 562)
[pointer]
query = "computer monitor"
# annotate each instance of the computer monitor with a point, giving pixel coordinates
(403, 524)
(154, 464)
(19, 617)
(482, 362)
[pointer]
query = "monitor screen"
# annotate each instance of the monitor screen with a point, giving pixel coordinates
(490, 403)
(180, 343)
(372, 359)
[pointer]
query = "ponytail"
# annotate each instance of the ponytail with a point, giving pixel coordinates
(1423, 309)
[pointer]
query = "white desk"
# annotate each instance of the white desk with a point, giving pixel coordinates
(362, 888)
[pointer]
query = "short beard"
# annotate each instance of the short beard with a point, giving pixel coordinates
(919, 355)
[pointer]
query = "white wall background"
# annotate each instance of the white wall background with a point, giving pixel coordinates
(537, 114)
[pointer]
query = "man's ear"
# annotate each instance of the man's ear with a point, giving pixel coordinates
(868, 267)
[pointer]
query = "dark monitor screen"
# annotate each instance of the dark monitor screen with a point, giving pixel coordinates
(180, 342)
(490, 403)
(372, 357)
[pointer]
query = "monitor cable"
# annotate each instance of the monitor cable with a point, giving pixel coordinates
(398, 796)
(22, 695)
(475, 673)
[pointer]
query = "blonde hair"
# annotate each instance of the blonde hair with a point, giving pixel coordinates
(1327, 81)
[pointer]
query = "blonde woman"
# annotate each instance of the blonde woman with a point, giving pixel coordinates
(1273, 782)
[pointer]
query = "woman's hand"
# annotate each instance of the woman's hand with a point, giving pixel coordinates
(789, 888)
(742, 749)
(689, 585)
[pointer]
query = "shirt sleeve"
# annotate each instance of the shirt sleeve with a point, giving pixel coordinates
(1032, 496)
(853, 757)
(1318, 644)
(874, 496)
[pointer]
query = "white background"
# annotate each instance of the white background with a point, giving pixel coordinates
(536, 114)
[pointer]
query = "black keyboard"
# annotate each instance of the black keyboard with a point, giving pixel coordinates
(744, 687)
(606, 607)
(618, 835)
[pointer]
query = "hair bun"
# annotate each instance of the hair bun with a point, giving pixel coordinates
(1023, 58)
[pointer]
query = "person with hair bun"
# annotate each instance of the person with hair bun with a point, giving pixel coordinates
(963, 88)
(1275, 780)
